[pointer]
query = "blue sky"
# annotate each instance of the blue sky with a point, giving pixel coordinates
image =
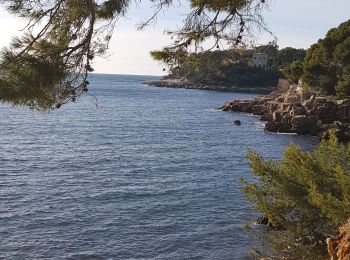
(297, 23)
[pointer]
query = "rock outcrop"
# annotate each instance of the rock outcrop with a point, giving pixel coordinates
(184, 83)
(339, 247)
(296, 111)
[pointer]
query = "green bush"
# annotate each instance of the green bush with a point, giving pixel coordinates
(343, 87)
(326, 65)
(306, 194)
(293, 71)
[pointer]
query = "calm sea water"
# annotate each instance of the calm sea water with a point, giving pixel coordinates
(153, 173)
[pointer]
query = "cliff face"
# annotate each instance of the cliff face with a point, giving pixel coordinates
(296, 111)
(339, 247)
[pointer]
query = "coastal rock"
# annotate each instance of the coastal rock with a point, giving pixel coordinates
(247, 106)
(343, 112)
(280, 99)
(266, 117)
(339, 246)
(278, 115)
(237, 122)
(273, 106)
(231, 106)
(327, 112)
(345, 102)
(318, 123)
(302, 124)
(295, 111)
(341, 132)
(273, 126)
(305, 95)
(259, 110)
(292, 99)
(169, 82)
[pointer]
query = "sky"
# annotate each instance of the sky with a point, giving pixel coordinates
(295, 23)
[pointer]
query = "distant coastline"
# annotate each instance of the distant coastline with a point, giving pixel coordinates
(184, 83)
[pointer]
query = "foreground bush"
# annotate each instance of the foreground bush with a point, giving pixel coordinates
(306, 194)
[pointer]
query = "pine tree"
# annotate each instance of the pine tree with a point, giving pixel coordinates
(48, 65)
(327, 63)
(306, 193)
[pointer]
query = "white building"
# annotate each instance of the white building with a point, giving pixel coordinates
(259, 60)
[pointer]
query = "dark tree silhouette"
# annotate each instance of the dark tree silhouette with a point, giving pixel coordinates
(48, 65)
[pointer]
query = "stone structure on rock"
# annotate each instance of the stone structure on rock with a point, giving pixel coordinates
(339, 247)
(301, 112)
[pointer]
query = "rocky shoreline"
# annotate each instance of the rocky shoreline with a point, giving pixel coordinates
(339, 247)
(297, 111)
(183, 83)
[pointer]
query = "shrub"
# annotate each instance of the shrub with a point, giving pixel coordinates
(306, 194)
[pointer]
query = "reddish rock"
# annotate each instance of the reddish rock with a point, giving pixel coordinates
(339, 247)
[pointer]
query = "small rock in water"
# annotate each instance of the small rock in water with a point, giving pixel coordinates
(237, 122)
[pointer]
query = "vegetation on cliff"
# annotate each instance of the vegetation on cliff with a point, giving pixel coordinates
(306, 194)
(324, 67)
(231, 67)
(327, 63)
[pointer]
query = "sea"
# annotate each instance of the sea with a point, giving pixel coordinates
(131, 172)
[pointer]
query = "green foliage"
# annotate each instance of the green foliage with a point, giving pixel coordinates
(286, 245)
(233, 67)
(327, 62)
(289, 55)
(279, 59)
(343, 87)
(271, 49)
(294, 71)
(64, 36)
(230, 67)
(162, 56)
(305, 193)
(46, 69)
(319, 72)
(168, 57)
(30, 80)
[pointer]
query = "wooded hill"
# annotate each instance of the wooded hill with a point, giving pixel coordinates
(325, 66)
(231, 67)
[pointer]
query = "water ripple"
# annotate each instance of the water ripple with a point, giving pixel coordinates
(153, 174)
